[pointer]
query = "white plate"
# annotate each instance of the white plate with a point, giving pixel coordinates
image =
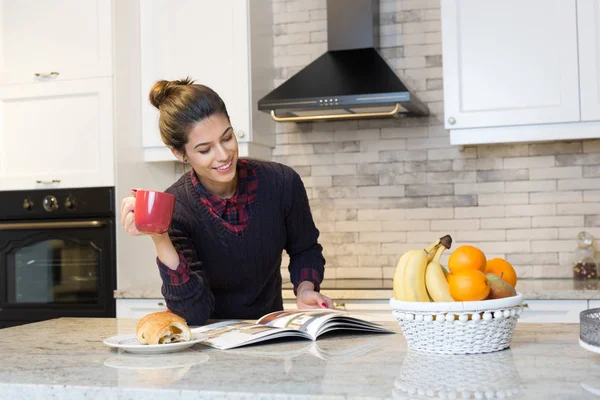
(130, 344)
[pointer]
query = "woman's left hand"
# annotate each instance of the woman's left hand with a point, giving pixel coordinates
(308, 298)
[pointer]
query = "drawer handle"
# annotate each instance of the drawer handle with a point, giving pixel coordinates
(161, 304)
(46, 74)
(339, 305)
(48, 182)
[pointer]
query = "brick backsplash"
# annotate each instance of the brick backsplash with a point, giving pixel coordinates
(380, 187)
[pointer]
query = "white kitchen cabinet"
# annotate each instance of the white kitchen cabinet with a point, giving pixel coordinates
(588, 18)
(137, 308)
(54, 40)
(520, 71)
(56, 134)
(553, 311)
(224, 45)
(509, 62)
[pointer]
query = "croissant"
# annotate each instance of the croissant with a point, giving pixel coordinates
(162, 328)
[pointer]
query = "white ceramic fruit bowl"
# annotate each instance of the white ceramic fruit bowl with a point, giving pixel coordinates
(462, 327)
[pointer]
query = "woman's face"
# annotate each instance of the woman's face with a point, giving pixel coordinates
(212, 150)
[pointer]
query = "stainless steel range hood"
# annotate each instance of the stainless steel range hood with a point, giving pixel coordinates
(351, 80)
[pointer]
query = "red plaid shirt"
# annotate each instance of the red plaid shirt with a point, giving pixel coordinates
(233, 214)
(235, 211)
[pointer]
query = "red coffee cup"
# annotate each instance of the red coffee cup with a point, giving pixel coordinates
(153, 211)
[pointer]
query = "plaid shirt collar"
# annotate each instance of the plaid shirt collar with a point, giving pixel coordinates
(233, 211)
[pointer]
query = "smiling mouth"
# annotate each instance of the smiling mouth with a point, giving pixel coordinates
(224, 167)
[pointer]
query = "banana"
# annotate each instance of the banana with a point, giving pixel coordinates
(398, 283)
(414, 277)
(399, 275)
(435, 281)
(409, 277)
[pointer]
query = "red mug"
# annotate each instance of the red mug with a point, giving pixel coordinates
(153, 211)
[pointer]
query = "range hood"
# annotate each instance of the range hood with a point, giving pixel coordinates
(351, 80)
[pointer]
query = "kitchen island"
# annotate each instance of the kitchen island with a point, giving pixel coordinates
(66, 359)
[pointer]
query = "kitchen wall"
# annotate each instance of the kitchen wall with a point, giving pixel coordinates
(136, 265)
(381, 187)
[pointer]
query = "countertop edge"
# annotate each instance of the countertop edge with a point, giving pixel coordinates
(382, 294)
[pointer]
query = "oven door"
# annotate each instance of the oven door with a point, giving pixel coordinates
(51, 269)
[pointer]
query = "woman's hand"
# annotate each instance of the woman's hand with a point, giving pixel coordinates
(307, 297)
(128, 216)
(164, 247)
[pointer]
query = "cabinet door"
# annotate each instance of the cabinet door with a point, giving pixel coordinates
(553, 311)
(588, 25)
(204, 40)
(57, 39)
(137, 308)
(509, 62)
(56, 134)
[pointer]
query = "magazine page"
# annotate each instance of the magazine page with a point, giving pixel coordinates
(315, 322)
(352, 323)
(229, 334)
(307, 321)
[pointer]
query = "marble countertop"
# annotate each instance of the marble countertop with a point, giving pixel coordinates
(66, 359)
(381, 289)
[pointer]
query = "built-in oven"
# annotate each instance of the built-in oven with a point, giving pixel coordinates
(57, 254)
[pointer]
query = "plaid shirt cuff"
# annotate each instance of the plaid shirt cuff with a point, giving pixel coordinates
(308, 274)
(177, 276)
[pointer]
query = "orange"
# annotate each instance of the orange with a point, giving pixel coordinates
(502, 268)
(466, 257)
(469, 285)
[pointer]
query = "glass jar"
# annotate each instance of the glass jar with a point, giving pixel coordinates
(584, 261)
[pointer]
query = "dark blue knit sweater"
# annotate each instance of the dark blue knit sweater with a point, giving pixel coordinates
(239, 276)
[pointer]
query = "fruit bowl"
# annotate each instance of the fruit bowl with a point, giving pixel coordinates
(465, 327)
(589, 329)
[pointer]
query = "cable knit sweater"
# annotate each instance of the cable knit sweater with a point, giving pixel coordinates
(229, 276)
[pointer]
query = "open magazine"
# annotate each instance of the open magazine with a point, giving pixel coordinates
(309, 324)
(331, 351)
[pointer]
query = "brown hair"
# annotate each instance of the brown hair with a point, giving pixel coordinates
(182, 104)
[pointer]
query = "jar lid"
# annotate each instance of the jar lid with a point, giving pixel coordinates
(584, 239)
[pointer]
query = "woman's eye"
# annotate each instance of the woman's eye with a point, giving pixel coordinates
(228, 138)
(204, 151)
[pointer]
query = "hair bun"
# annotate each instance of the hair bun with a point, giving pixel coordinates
(162, 89)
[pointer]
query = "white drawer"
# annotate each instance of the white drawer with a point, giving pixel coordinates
(553, 311)
(137, 308)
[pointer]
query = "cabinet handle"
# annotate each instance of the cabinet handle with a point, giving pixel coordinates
(240, 134)
(48, 182)
(451, 120)
(161, 304)
(46, 74)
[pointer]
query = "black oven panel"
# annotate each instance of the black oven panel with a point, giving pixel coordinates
(57, 254)
(56, 204)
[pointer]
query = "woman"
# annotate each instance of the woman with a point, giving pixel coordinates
(233, 218)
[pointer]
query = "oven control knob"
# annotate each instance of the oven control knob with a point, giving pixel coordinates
(50, 203)
(28, 204)
(70, 203)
